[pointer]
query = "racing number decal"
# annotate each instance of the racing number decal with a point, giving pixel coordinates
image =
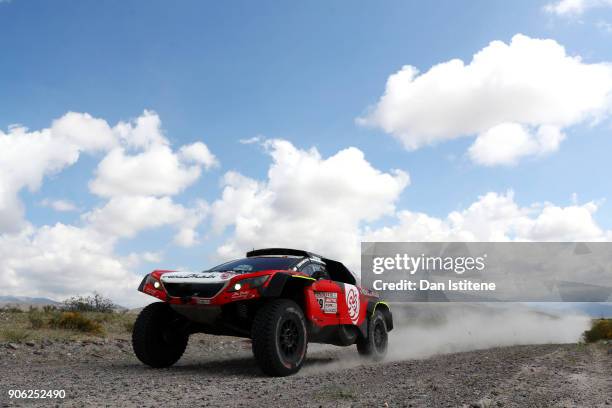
(328, 301)
(352, 302)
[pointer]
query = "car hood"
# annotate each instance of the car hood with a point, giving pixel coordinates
(197, 277)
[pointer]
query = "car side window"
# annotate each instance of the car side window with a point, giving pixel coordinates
(315, 270)
(319, 271)
(308, 269)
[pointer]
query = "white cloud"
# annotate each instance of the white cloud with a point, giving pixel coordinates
(139, 177)
(81, 129)
(199, 153)
(251, 140)
(497, 217)
(126, 216)
(154, 168)
(62, 260)
(138, 174)
(307, 201)
(527, 91)
(571, 223)
(329, 205)
(27, 157)
(186, 237)
(143, 132)
(157, 171)
(135, 259)
(507, 143)
(59, 205)
(573, 8)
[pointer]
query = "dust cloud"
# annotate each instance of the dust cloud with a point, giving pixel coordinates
(423, 330)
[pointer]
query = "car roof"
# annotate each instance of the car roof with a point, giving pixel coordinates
(341, 272)
(281, 251)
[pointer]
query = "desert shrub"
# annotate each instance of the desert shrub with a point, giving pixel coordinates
(75, 321)
(94, 303)
(15, 335)
(49, 308)
(601, 329)
(36, 319)
(12, 309)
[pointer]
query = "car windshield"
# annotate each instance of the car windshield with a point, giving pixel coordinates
(255, 264)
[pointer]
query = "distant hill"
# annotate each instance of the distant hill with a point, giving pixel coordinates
(26, 300)
(23, 302)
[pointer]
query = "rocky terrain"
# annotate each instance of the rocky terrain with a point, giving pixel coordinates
(219, 371)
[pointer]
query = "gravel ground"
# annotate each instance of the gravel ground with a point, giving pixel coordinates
(221, 372)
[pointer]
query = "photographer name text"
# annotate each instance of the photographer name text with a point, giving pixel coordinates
(424, 284)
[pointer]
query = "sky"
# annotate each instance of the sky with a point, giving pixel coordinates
(146, 135)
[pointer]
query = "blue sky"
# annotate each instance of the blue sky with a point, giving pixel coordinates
(218, 72)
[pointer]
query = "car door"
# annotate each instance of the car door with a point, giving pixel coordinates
(322, 296)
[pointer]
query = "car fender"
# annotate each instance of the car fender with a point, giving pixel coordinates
(374, 305)
(280, 281)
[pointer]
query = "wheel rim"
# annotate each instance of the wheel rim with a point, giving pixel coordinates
(289, 338)
(380, 336)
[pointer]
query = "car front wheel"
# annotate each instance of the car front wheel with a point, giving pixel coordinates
(157, 339)
(279, 337)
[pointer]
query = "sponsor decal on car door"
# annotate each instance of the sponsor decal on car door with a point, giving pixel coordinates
(351, 294)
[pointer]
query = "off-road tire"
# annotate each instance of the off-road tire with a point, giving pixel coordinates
(157, 339)
(375, 345)
(279, 337)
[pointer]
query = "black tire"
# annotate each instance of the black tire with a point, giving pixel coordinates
(375, 345)
(157, 338)
(279, 338)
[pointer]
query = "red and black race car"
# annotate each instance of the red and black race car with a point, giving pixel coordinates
(281, 299)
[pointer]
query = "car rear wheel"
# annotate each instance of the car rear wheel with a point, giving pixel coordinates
(157, 339)
(375, 345)
(279, 338)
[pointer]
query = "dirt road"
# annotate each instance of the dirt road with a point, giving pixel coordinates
(221, 372)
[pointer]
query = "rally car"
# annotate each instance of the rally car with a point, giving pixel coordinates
(282, 299)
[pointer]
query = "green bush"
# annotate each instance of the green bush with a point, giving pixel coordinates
(75, 321)
(36, 319)
(601, 329)
(95, 303)
(49, 308)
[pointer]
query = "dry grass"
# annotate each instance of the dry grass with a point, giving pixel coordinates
(14, 335)
(54, 324)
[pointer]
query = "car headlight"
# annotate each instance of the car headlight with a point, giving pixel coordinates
(154, 282)
(249, 283)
